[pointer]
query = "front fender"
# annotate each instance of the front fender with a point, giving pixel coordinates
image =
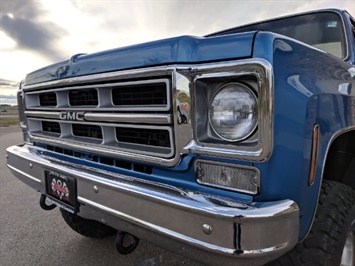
(309, 89)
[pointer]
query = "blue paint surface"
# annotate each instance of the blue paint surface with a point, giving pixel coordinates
(184, 49)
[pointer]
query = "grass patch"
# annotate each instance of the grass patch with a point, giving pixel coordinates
(8, 110)
(8, 121)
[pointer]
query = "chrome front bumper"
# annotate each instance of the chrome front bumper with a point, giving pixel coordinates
(200, 226)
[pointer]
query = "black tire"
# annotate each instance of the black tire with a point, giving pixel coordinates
(179, 117)
(333, 223)
(85, 227)
(183, 119)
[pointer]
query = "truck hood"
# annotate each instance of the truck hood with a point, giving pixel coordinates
(184, 49)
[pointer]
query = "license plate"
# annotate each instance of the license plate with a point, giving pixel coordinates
(61, 189)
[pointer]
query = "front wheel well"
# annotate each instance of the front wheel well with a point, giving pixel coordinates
(340, 161)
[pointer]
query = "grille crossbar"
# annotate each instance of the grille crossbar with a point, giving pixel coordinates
(149, 95)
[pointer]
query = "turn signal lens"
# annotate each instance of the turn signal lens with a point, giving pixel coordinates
(312, 174)
(240, 178)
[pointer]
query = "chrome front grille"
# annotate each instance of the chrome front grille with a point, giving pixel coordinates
(131, 116)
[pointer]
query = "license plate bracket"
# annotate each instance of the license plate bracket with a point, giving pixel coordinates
(62, 190)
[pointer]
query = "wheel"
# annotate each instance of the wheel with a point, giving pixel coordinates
(347, 257)
(85, 227)
(331, 240)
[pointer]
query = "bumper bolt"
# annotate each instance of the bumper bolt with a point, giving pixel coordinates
(31, 165)
(96, 189)
(207, 229)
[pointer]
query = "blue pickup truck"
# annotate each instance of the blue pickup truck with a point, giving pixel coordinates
(236, 148)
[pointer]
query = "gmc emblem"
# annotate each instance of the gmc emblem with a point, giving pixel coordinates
(74, 116)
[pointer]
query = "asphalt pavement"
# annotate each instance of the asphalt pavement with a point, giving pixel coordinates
(32, 236)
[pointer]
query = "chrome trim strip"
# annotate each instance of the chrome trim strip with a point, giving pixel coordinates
(161, 119)
(129, 118)
(42, 114)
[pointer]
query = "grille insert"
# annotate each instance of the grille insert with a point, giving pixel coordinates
(150, 137)
(89, 131)
(48, 99)
(140, 94)
(52, 127)
(83, 97)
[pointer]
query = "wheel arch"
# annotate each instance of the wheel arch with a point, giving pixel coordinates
(341, 145)
(339, 163)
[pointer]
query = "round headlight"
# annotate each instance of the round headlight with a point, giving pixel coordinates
(233, 112)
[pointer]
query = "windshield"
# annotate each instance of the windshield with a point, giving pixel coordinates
(322, 30)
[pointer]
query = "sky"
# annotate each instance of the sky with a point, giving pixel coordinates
(36, 33)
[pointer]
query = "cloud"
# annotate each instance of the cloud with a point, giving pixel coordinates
(40, 32)
(129, 22)
(8, 90)
(8, 97)
(8, 83)
(22, 21)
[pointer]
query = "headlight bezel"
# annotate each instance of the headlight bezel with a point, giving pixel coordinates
(256, 74)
